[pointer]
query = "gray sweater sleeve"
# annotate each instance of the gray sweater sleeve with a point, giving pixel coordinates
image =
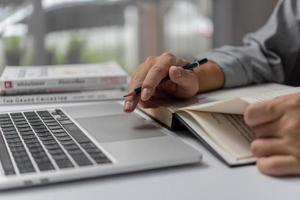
(268, 55)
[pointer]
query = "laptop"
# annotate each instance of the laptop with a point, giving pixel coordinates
(55, 144)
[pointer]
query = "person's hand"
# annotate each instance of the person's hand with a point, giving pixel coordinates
(182, 84)
(276, 125)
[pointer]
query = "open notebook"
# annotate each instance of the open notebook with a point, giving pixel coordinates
(216, 118)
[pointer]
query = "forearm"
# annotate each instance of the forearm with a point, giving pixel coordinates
(268, 55)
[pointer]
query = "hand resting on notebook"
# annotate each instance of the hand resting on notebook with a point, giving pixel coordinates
(276, 125)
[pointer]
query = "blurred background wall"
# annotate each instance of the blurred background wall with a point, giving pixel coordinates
(234, 18)
(50, 32)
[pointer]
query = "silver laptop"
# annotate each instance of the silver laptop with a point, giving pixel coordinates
(58, 144)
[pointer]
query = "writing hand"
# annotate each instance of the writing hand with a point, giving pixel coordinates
(182, 84)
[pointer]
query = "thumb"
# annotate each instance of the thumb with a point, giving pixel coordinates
(186, 80)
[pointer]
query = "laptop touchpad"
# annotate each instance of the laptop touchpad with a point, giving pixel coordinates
(119, 127)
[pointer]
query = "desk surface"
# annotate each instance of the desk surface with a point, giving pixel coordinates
(209, 180)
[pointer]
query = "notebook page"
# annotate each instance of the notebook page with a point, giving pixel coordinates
(227, 131)
(239, 104)
(250, 91)
(230, 106)
(268, 95)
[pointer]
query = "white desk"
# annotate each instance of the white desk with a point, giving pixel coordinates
(210, 180)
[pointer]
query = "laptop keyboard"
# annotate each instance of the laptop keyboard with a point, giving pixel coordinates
(43, 141)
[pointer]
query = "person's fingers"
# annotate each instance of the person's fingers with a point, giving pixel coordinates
(186, 80)
(130, 103)
(263, 112)
(269, 147)
(157, 72)
(270, 129)
(137, 80)
(180, 62)
(279, 165)
(140, 73)
(149, 75)
(182, 82)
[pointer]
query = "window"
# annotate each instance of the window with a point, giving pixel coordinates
(51, 32)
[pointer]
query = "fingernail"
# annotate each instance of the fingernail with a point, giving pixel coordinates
(128, 106)
(146, 94)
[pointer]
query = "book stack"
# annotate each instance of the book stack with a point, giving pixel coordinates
(62, 83)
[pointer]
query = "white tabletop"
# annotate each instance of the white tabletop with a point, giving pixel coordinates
(210, 180)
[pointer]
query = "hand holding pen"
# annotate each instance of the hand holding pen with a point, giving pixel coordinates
(168, 75)
(189, 66)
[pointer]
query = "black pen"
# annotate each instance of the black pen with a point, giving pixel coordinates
(189, 66)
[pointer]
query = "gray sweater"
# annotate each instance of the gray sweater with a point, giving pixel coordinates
(271, 54)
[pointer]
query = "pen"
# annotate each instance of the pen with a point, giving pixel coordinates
(189, 66)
